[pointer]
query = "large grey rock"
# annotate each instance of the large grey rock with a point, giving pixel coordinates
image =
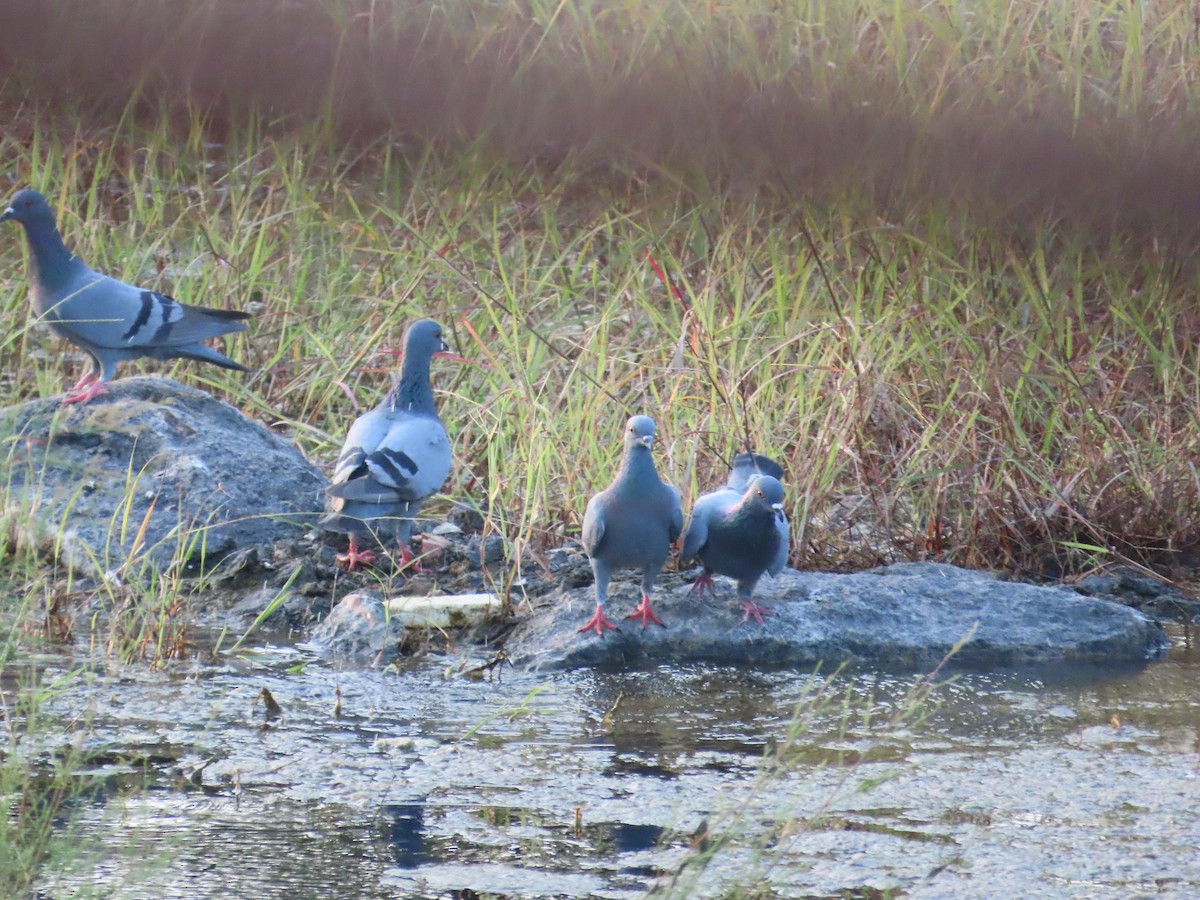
(203, 479)
(908, 616)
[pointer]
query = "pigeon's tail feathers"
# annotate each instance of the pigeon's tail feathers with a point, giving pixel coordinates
(747, 465)
(764, 465)
(204, 353)
(365, 490)
(226, 314)
(199, 324)
(335, 521)
(378, 520)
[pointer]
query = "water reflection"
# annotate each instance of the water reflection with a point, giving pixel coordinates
(405, 833)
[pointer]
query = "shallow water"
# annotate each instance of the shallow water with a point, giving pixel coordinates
(1055, 783)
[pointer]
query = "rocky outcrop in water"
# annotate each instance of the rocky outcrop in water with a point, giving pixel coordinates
(1138, 589)
(908, 616)
(151, 469)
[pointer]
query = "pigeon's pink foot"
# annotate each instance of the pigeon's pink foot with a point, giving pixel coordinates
(753, 610)
(410, 563)
(645, 614)
(353, 558)
(598, 622)
(703, 585)
(89, 387)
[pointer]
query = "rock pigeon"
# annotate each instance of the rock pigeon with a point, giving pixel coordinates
(740, 534)
(395, 456)
(631, 524)
(111, 320)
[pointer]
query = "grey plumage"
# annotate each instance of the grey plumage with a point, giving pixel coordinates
(631, 524)
(395, 456)
(740, 535)
(746, 465)
(111, 320)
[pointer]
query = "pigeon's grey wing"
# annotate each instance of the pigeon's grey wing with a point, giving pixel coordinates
(696, 535)
(675, 526)
(413, 459)
(364, 437)
(775, 566)
(364, 489)
(389, 460)
(592, 534)
(103, 312)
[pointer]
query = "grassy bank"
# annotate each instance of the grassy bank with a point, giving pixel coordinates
(937, 261)
(984, 398)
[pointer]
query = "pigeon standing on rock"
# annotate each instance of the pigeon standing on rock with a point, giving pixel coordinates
(631, 524)
(741, 535)
(395, 456)
(111, 320)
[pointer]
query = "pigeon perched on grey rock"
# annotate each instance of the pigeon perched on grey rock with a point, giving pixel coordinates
(740, 534)
(395, 456)
(631, 524)
(111, 320)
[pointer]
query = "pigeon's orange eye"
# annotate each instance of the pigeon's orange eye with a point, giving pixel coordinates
(761, 494)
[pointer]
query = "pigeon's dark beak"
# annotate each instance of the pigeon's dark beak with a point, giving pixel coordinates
(647, 441)
(7, 214)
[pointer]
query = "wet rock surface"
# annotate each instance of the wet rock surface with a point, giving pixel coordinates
(156, 469)
(358, 631)
(905, 616)
(1141, 591)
